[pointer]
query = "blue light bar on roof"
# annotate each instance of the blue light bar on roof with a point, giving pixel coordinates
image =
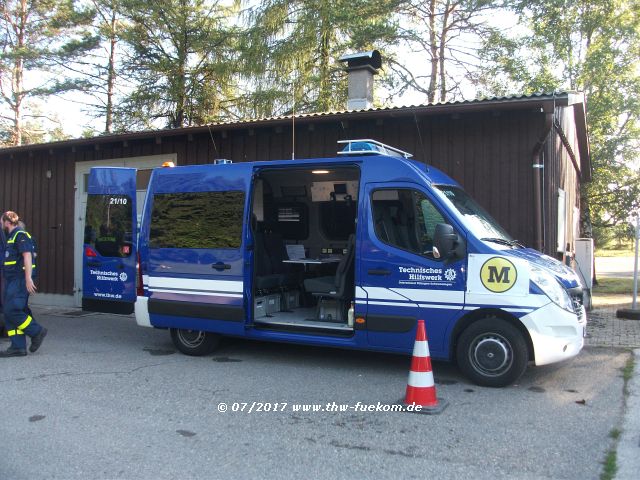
(371, 147)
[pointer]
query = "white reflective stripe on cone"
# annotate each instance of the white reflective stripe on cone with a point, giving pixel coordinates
(421, 379)
(421, 348)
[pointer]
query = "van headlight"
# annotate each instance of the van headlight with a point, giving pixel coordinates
(552, 288)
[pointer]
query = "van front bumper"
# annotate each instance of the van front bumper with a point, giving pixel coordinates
(556, 334)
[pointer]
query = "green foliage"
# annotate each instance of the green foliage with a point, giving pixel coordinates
(515, 64)
(592, 46)
(291, 50)
(627, 370)
(616, 249)
(610, 466)
(40, 41)
(180, 63)
(102, 67)
(613, 286)
(616, 236)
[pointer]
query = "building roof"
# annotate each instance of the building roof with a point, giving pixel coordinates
(545, 101)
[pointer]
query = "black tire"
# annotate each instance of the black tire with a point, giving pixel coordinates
(194, 342)
(492, 352)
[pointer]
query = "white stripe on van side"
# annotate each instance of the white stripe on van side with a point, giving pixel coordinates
(383, 293)
(192, 284)
(394, 304)
(361, 293)
(195, 292)
(426, 295)
(421, 305)
(516, 301)
(506, 309)
(451, 306)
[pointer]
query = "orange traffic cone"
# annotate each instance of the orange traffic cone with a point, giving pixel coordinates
(421, 388)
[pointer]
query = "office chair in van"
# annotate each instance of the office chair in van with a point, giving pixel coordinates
(338, 287)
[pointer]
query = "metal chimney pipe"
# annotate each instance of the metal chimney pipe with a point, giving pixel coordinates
(361, 68)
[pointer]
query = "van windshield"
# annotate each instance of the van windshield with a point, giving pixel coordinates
(481, 224)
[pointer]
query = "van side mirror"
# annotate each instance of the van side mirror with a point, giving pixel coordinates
(445, 241)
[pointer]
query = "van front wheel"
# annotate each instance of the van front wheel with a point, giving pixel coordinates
(194, 342)
(491, 352)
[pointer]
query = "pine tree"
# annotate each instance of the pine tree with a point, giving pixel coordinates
(40, 40)
(180, 63)
(102, 69)
(290, 54)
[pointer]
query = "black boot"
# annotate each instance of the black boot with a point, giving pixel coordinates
(13, 352)
(37, 340)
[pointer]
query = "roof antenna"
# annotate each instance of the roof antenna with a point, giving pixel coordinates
(424, 153)
(293, 123)
(212, 140)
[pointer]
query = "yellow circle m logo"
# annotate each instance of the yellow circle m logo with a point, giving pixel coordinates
(498, 274)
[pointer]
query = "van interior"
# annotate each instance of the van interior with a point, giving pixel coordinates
(304, 225)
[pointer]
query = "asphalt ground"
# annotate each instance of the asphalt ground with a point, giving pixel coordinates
(105, 399)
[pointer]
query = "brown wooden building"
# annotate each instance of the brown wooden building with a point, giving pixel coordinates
(523, 158)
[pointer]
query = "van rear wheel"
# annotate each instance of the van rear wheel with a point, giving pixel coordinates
(194, 342)
(491, 352)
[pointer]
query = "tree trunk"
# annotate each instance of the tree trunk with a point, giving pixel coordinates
(324, 97)
(181, 81)
(111, 76)
(431, 93)
(443, 42)
(18, 76)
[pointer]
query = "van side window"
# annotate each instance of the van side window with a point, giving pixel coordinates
(405, 218)
(197, 220)
(108, 225)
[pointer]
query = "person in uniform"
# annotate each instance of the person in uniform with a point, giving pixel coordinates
(17, 271)
(3, 332)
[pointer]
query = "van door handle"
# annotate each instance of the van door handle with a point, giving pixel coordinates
(378, 271)
(221, 266)
(94, 264)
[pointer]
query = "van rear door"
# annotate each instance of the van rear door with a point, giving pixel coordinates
(110, 233)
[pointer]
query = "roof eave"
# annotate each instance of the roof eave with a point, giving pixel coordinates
(545, 102)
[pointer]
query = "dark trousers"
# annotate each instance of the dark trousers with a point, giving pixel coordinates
(17, 315)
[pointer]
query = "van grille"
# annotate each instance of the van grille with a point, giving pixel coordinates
(576, 300)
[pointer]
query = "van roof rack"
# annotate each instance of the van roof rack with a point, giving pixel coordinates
(366, 146)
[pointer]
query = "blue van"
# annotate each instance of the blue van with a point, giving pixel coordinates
(343, 252)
